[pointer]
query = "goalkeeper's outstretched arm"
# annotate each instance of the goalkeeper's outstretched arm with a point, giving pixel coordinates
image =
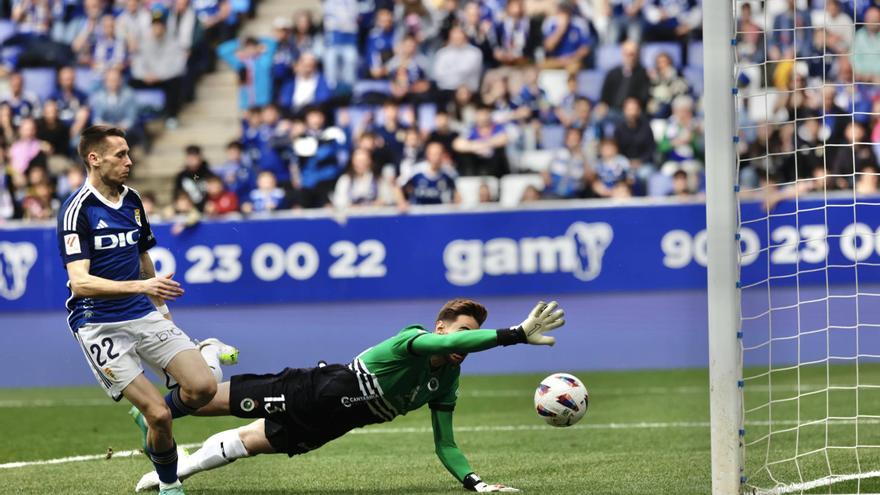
(452, 458)
(543, 318)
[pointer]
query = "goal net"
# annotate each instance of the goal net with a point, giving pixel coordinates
(806, 77)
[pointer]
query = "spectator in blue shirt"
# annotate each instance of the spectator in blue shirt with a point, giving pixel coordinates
(569, 170)
(320, 160)
(512, 39)
(380, 44)
(115, 103)
(392, 131)
(483, 148)
(238, 172)
(23, 103)
(613, 172)
(266, 197)
(480, 31)
(306, 36)
(272, 141)
(72, 103)
(430, 184)
(408, 72)
(533, 97)
(252, 59)
(789, 30)
(567, 39)
(671, 20)
(307, 87)
(285, 55)
(340, 40)
(109, 50)
(216, 20)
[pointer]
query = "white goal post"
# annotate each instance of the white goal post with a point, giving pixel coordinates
(725, 368)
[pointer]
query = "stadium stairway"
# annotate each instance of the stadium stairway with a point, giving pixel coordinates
(211, 120)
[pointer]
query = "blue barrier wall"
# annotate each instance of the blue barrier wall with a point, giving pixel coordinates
(573, 250)
(337, 288)
(603, 331)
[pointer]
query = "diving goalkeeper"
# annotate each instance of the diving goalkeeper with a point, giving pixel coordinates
(302, 409)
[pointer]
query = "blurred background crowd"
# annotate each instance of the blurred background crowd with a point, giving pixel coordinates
(407, 102)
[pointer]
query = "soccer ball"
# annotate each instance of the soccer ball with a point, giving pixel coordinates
(561, 399)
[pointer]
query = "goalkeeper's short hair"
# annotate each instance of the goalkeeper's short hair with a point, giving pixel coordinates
(457, 307)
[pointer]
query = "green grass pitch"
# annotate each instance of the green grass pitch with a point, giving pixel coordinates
(645, 433)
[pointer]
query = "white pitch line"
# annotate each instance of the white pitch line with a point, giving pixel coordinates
(601, 392)
(643, 425)
(826, 481)
(81, 458)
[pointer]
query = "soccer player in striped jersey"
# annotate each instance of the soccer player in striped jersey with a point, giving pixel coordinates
(302, 409)
(117, 304)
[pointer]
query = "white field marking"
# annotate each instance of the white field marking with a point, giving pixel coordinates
(604, 392)
(465, 392)
(400, 430)
(18, 403)
(810, 485)
(81, 458)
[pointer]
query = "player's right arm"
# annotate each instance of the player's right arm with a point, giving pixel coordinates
(84, 284)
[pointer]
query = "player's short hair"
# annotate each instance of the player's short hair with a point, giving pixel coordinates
(94, 139)
(468, 307)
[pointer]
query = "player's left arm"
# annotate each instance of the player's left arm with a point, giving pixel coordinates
(450, 455)
(543, 318)
(148, 271)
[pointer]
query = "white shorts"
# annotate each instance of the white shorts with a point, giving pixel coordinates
(115, 350)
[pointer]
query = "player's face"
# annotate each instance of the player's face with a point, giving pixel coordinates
(462, 323)
(113, 163)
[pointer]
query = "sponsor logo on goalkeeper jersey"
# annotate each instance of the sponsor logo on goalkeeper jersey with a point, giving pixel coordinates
(578, 251)
(350, 401)
(16, 260)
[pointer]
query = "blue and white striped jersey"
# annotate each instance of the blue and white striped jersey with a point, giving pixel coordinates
(112, 236)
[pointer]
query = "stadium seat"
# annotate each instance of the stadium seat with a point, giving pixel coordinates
(469, 189)
(590, 83)
(150, 102)
(39, 81)
(651, 50)
(552, 137)
(695, 54)
(240, 6)
(535, 161)
(369, 89)
(87, 80)
(694, 78)
(513, 186)
(426, 114)
(554, 83)
(607, 57)
(7, 29)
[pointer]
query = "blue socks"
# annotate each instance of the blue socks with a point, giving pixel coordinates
(165, 464)
(176, 404)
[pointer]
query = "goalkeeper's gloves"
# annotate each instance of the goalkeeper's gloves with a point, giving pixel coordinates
(473, 483)
(542, 319)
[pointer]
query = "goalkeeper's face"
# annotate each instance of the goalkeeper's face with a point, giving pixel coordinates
(460, 324)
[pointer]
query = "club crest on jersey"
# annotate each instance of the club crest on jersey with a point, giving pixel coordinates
(137, 216)
(247, 404)
(109, 373)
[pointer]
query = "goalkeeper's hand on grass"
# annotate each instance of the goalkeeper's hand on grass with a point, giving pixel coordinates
(473, 483)
(543, 318)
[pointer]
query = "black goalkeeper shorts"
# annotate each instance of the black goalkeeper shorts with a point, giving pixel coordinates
(304, 408)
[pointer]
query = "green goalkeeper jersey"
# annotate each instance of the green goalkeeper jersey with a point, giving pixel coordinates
(395, 377)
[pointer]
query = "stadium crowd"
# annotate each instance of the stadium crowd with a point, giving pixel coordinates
(401, 102)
